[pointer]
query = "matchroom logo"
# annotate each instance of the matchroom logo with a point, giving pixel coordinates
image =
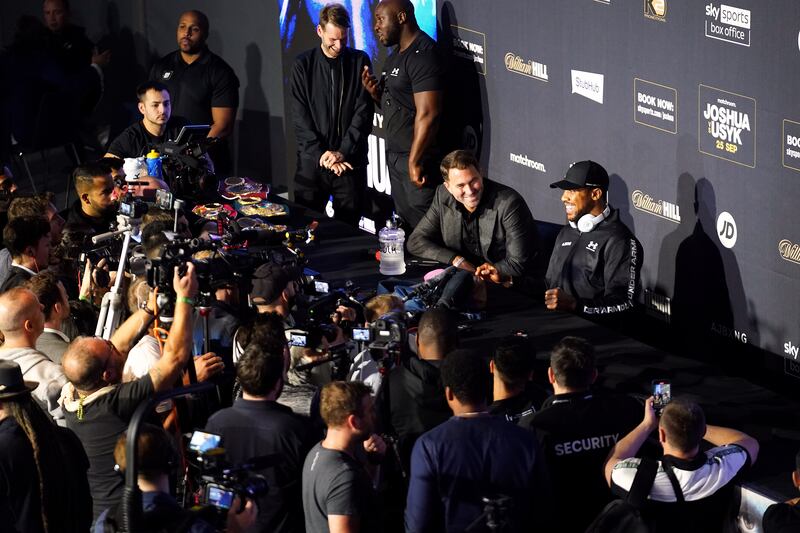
(660, 208)
(588, 85)
(471, 45)
(728, 23)
(656, 10)
(526, 67)
(726, 125)
(523, 160)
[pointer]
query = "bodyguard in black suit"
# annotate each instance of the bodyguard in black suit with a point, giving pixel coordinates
(473, 220)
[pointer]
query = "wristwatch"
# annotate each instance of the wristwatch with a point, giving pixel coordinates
(143, 307)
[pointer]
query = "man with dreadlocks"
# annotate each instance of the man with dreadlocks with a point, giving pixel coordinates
(43, 486)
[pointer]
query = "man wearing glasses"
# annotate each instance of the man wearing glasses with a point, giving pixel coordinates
(98, 407)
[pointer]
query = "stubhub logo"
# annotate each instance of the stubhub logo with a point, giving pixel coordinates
(588, 85)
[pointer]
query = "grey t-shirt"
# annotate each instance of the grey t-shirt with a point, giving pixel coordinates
(335, 484)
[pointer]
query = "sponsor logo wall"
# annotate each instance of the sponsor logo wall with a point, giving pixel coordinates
(559, 82)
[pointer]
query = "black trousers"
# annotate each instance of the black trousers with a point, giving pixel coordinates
(410, 202)
(315, 184)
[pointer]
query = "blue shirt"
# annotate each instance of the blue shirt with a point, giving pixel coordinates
(463, 460)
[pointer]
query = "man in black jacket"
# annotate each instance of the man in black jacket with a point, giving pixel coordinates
(332, 118)
(596, 260)
(473, 220)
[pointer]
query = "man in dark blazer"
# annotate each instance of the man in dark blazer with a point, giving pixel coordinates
(473, 221)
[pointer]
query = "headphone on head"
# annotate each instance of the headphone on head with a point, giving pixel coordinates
(589, 221)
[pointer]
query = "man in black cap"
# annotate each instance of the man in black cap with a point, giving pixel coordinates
(595, 265)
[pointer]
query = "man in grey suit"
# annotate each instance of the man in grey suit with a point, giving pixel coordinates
(55, 305)
(473, 221)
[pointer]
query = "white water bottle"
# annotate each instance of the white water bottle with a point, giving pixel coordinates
(391, 240)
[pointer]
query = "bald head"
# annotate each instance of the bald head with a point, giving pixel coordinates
(394, 19)
(20, 314)
(85, 362)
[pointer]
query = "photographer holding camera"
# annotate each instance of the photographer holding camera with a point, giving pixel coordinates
(156, 459)
(98, 407)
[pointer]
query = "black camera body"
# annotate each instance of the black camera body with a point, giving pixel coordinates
(388, 338)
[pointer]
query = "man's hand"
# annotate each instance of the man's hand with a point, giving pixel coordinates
(558, 299)
(463, 264)
(375, 445)
(238, 522)
(185, 286)
(101, 59)
(416, 174)
(341, 168)
(488, 272)
(343, 313)
(650, 420)
(329, 158)
(208, 365)
(371, 84)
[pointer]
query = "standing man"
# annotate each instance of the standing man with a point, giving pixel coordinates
(156, 126)
(474, 456)
(410, 94)
(204, 88)
(332, 117)
(596, 260)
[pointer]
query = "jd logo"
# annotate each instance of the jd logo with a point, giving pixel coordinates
(726, 229)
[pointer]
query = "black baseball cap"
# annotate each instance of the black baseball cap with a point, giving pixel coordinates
(270, 279)
(583, 174)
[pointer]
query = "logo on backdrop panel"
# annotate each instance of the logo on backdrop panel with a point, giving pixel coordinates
(791, 144)
(377, 168)
(525, 161)
(660, 208)
(656, 10)
(789, 251)
(607, 2)
(726, 125)
(588, 85)
(526, 67)
(655, 105)
(470, 44)
(791, 350)
(728, 23)
(726, 230)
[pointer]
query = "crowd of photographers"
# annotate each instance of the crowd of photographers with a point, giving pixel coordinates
(336, 412)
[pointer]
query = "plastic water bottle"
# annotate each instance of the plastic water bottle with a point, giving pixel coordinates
(154, 164)
(329, 207)
(391, 240)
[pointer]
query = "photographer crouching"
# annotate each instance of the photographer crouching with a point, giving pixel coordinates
(157, 458)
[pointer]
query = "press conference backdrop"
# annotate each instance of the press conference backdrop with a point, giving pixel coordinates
(692, 107)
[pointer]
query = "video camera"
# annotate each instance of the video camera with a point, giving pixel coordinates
(219, 482)
(386, 338)
(185, 166)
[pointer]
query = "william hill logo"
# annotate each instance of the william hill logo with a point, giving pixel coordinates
(660, 208)
(656, 9)
(789, 251)
(530, 68)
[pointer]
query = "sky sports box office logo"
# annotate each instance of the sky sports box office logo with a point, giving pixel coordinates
(728, 23)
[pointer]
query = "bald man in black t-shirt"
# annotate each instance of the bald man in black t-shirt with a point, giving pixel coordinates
(410, 94)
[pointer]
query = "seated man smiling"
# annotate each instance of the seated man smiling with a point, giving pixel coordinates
(474, 220)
